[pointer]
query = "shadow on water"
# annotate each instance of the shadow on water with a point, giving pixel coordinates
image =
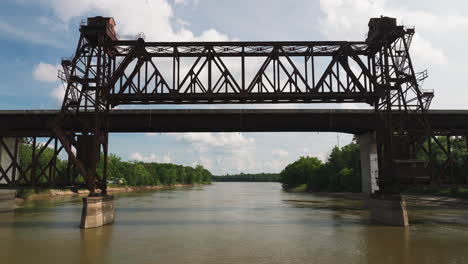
(190, 209)
(154, 222)
(41, 224)
(95, 244)
(305, 221)
(337, 205)
(35, 210)
(341, 210)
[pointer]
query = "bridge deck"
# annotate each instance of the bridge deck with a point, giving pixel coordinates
(36, 122)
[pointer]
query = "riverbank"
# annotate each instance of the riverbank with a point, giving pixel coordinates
(442, 191)
(30, 194)
(300, 188)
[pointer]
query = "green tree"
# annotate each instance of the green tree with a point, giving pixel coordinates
(300, 172)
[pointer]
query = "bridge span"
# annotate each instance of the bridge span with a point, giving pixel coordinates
(37, 122)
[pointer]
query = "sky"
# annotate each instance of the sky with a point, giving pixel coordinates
(36, 34)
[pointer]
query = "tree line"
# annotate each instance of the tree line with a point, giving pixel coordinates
(342, 170)
(248, 177)
(132, 173)
(143, 173)
(340, 173)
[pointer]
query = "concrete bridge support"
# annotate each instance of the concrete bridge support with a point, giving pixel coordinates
(7, 197)
(7, 200)
(369, 162)
(385, 209)
(97, 211)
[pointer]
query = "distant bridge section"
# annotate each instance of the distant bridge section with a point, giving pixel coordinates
(36, 122)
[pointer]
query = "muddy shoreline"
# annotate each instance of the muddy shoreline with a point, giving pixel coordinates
(55, 193)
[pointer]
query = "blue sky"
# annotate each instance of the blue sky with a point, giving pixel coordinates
(35, 35)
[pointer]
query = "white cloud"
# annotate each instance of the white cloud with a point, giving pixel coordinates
(182, 22)
(436, 45)
(45, 72)
(229, 151)
(206, 162)
(28, 35)
(180, 2)
(426, 53)
(281, 153)
(154, 18)
(216, 140)
(210, 35)
(343, 19)
(58, 93)
(150, 157)
(51, 25)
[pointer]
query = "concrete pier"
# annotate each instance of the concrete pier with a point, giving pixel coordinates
(7, 200)
(7, 197)
(388, 210)
(384, 209)
(97, 211)
(369, 162)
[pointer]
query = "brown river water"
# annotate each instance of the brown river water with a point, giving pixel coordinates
(230, 223)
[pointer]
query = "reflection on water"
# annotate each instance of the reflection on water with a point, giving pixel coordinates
(230, 223)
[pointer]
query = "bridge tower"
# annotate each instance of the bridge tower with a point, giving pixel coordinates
(404, 128)
(86, 76)
(400, 137)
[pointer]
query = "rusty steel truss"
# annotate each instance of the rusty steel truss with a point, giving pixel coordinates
(106, 72)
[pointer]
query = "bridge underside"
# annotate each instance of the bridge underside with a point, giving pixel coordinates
(26, 123)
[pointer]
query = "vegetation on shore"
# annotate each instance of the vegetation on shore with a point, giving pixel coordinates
(32, 193)
(248, 177)
(123, 173)
(459, 159)
(450, 191)
(340, 173)
(147, 174)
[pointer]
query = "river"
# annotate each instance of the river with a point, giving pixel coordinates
(229, 223)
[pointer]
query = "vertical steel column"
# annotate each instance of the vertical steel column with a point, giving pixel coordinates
(450, 159)
(466, 159)
(389, 182)
(243, 72)
(431, 158)
(16, 160)
(33, 162)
